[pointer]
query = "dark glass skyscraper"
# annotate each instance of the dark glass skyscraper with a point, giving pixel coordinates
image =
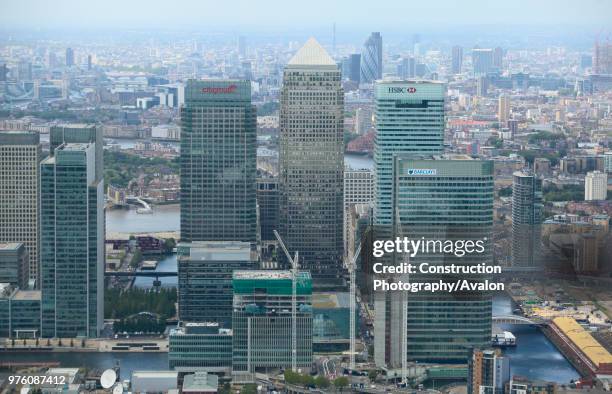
(312, 162)
(218, 162)
(72, 243)
(527, 211)
(205, 279)
(445, 197)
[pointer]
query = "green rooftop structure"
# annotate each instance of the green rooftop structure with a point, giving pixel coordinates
(262, 320)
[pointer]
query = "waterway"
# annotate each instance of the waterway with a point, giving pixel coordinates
(534, 356)
(163, 218)
(167, 217)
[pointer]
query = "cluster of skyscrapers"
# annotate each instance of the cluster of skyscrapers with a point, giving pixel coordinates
(448, 197)
(54, 208)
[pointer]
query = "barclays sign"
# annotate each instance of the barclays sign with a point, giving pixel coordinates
(421, 171)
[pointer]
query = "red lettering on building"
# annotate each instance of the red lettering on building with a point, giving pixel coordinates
(218, 90)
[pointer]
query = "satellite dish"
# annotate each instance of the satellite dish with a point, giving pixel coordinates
(118, 389)
(108, 378)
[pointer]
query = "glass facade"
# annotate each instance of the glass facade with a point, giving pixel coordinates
(409, 119)
(527, 212)
(311, 160)
(14, 264)
(218, 162)
(262, 321)
(371, 59)
(205, 279)
(200, 346)
(20, 155)
(449, 198)
(268, 203)
(72, 243)
(20, 311)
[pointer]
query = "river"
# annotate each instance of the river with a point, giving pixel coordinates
(534, 356)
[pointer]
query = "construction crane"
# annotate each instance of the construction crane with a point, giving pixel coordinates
(294, 274)
(352, 268)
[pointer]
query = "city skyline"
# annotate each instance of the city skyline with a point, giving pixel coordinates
(383, 197)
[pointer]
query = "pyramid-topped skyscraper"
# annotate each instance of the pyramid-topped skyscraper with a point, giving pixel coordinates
(312, 54)
(312, 163)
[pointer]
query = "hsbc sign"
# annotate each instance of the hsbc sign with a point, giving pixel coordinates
(399, 89)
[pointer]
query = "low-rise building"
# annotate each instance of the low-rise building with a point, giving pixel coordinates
(200, 346)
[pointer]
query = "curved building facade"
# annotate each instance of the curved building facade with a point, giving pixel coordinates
(371, 59)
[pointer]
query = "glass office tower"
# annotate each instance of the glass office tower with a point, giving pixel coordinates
(20, 155)
(218, 162)
(445, 197)
(311, 160)
(409, 119)
(371, 59)
(72, 243)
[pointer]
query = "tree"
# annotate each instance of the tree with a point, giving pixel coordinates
(169, 244)
(249, 389)
(307, 380)
(372, 374)
(341, 382)
(226, 389)
(136, 259)
(292, 377)
(321, 382)
(505, 191)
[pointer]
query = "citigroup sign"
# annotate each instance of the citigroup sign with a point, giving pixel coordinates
(401, 89)
(219, 90)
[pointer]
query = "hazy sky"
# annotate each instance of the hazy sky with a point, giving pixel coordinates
(284, 15)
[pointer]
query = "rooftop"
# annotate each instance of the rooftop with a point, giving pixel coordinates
(262, 274)
(200, 382)
(396, 81)
(155, 374)
(9, 246)
(77, 125)
(312, 54)
(583, 340)
(25, 295)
